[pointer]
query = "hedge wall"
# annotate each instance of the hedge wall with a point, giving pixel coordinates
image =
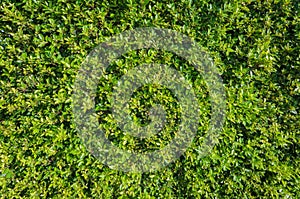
(254, 44)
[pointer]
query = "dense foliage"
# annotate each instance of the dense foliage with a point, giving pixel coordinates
(254, 43)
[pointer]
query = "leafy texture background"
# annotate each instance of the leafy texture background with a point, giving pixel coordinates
(254, 44)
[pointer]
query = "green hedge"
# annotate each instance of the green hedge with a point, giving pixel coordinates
(254, 44)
